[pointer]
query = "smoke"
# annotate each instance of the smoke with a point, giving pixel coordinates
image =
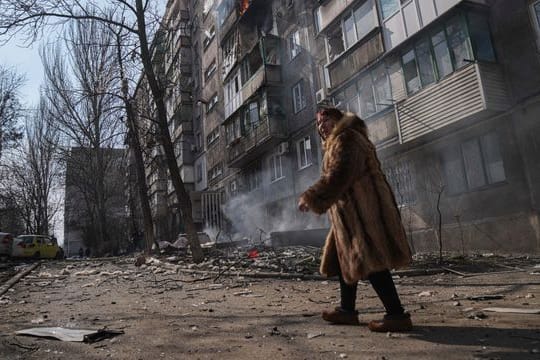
(253, 219)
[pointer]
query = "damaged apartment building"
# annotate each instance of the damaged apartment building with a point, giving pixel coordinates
(448, 89)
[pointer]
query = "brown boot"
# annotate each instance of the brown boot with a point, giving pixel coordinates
(341, 317)
(392, 323)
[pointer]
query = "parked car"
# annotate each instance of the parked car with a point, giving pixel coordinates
(36, 246)
(6, 241)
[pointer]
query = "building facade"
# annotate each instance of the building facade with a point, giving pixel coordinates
(448, 101)
(446, 88)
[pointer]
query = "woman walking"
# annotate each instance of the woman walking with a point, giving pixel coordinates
(366, 238)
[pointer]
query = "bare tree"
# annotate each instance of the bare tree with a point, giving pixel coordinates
(80, 74)
(34, 173)
(10, 107)
(135, 16)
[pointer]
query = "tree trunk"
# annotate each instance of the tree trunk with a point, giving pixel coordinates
(182, 196)
(135, 145)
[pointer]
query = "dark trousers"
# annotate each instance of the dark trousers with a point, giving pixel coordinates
(382, 283)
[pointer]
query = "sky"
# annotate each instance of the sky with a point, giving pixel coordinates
(25, 60)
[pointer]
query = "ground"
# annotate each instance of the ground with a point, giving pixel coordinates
(166, 312)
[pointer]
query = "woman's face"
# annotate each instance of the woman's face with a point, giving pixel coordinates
(325, 124)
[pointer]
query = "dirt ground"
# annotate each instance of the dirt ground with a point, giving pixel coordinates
(166, 313)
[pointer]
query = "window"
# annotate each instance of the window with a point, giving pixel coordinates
(447, 49)
(299, 99)
(233, 130)
(207, 6)
(232, 93)
(276, 166)
(215, 172)
(212, 136)
(473, 164)
(224, 9)
(233, 187)
(209, 35)
(213, 101)
(426, 67)
(251, 116)
(229, 52)
(253, 177)
(388, 7)
(441, 53)
(370, 94)
(303, 150)
(354, 26)
(410, 71)
(458, 41)
(368, 106)
(481, 36)
(294, 44)
(210, 70)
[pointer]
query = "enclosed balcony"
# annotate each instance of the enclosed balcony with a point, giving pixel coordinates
(474, 92)
(259, 68)
(254, 130)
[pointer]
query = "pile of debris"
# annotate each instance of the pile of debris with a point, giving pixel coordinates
(302, 260)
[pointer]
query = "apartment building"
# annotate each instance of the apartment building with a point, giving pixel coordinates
(446, 87)
(448, 93)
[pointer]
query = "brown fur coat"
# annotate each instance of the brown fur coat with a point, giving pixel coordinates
(366, 233)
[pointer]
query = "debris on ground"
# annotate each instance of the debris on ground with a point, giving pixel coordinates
(74, 335)
(512, 310)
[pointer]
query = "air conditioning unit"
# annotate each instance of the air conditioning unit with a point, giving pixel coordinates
(283, 148)
(320, 96)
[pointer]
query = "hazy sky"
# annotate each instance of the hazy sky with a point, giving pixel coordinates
(26, 61)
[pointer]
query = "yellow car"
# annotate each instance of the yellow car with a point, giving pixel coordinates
(36, 246)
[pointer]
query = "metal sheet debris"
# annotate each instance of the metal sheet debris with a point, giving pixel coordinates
(512, 310)
(73, 335)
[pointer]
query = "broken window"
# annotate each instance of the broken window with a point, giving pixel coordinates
(251, 116)
(458, 42)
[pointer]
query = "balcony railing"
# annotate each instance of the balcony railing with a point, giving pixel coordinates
(475, 91)
(260, 139)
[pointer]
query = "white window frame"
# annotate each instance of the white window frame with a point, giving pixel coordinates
(212, 136)
(295, 44)
(210, 70)
(213, 101)
(299, 97)
(307, 150)
(275, 164)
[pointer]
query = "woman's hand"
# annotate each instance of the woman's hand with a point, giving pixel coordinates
(302, 205)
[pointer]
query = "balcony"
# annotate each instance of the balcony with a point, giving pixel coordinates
(474, 92)
(327, 13)
(259, 140)
(266, 75)
(354, 60)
